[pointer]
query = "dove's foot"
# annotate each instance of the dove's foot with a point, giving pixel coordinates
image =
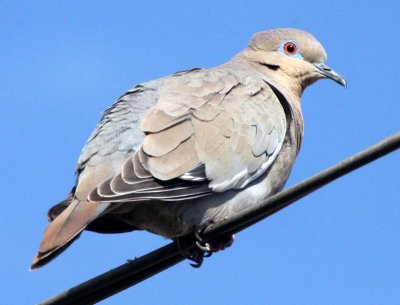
(195, 254)
(203, 249)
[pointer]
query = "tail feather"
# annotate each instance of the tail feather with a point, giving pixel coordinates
(61, 206)
(65, 228)
(106, 223)
(42, 259)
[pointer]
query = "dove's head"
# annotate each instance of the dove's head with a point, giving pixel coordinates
(291, 57)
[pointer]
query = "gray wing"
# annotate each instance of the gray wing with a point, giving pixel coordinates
(210, 131)
(118, 133)
(116, 139)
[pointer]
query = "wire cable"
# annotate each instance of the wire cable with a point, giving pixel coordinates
(138, 270)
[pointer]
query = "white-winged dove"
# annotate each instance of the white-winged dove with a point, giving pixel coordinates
(175, 154)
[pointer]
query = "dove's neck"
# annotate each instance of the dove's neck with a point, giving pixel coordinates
(289, 88)
(293, 87)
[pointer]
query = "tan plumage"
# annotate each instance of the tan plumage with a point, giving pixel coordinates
(231, 143)
(175, 154)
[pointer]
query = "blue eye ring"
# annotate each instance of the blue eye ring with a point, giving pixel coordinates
(290, 49)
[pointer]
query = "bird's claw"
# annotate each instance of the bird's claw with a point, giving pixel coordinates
(197, 262)
(201, 244)
(203, 249)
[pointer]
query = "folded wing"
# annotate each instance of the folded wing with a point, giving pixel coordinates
(210, 131)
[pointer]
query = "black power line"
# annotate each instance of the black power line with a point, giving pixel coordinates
(136, 271)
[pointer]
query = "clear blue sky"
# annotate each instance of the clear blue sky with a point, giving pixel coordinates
(63, 62)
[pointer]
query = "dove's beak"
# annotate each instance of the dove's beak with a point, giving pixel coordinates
(329, 73)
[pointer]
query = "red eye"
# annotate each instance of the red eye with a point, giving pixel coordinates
(290, 48)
